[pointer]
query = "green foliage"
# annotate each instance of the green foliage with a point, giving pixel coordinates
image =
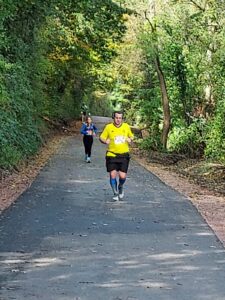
(153, 142)
(215, 136)
(99, 104)
(188, 140)
(189, 41)
(49, 56)
(56, 55)
(19, 135)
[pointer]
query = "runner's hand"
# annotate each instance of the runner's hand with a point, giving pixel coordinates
(107, 141)
(129, 140)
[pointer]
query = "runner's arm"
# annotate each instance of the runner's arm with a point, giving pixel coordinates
(104, 141)
(95, 129)
(130, 135)
(129, 139)
(83, 129)
(104, 137)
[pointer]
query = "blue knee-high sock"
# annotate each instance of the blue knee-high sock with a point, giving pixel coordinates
(113, 183)
(122, 181)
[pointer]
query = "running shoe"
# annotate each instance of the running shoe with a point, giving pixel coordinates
(116, 197)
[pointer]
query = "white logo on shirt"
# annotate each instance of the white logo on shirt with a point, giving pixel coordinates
(119, 139)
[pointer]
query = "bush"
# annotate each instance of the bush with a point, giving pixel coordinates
(19, 133)
(153, 141)
(187, 140)
(215, 137)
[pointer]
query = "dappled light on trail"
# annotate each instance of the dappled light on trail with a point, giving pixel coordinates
(64, 239)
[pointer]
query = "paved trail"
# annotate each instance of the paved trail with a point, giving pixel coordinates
(65, 240)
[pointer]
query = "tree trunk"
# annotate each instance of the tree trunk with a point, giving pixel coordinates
(165, 103)
(162, 82)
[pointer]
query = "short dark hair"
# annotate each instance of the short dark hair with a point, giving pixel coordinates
(117, 112)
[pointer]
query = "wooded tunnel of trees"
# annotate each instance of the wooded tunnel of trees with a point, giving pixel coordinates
(162, 62)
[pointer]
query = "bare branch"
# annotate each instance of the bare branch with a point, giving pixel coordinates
(149, 21)
(197, 5)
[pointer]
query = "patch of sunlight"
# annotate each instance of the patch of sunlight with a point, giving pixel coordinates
(169, 256)
(61, 277)
(83, 181)
(79, 181)
(112, 285)
(187, 268)
(128, 262)
(12, 261)
(145, 284)
(204, 234)
(136, 266)
(45, 262)
(156, 285)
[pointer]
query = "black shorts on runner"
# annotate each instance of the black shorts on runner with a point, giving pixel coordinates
(118, 163)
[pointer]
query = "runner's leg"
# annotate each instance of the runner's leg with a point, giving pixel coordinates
(85, 141)
(89, 146)
(122, 179)
(113, 181)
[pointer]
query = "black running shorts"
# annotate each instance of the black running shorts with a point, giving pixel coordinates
(118, 163)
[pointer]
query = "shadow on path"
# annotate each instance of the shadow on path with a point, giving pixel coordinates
(64, 239)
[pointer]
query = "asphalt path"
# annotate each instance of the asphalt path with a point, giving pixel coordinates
(64, 238)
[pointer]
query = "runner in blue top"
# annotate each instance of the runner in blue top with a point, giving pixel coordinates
(88, 130)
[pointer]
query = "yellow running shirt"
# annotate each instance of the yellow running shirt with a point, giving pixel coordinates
(117, 136)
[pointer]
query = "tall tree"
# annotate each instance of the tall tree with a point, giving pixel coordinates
(149, 14)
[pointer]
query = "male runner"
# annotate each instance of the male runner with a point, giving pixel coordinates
(117, 136)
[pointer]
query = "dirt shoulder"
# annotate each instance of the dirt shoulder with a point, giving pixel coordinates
(203, 184)
(14, 183)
